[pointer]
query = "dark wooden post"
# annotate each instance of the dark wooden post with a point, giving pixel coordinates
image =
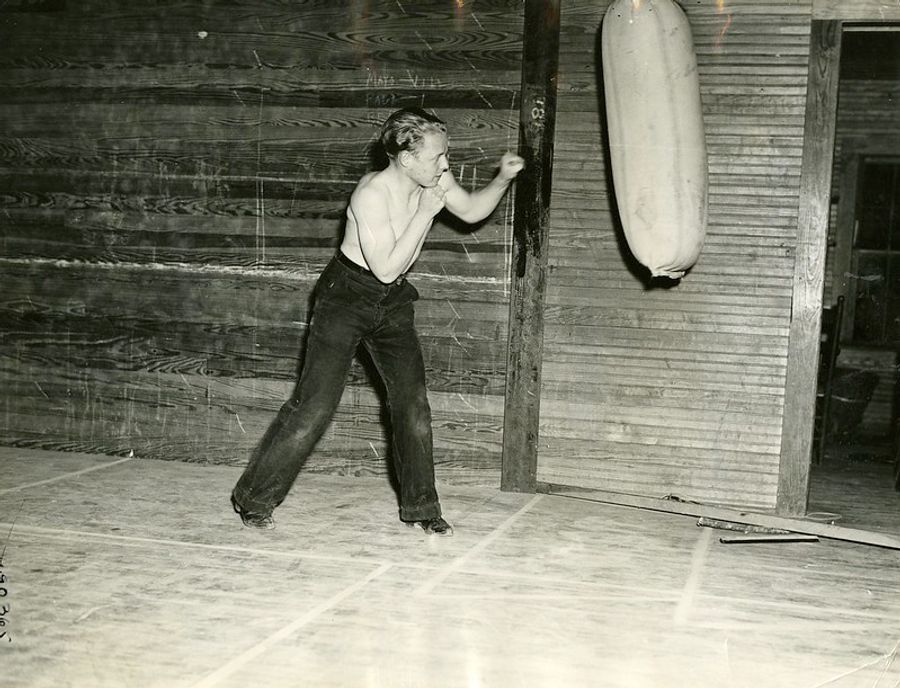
(809, 268)
(537, 120)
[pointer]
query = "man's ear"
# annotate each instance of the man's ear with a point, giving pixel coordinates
(403, 157)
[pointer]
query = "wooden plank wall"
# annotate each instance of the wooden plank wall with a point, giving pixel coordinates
(857, 10)
(173, 176)
(678, 389)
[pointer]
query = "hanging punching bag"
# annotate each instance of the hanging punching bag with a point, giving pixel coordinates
(655, 127)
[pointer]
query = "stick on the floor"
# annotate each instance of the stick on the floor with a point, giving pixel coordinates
(793, 525)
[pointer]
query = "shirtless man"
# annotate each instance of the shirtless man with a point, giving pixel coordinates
(363, 297)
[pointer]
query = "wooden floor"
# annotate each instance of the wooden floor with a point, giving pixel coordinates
(854, 486)
(129, 572)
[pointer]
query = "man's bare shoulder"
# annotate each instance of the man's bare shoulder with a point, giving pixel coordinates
(368, 199)
(368, 186)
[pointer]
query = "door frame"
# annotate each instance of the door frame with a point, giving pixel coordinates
(828, 20)
(809, 268)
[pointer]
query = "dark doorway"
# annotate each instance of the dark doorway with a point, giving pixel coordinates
(863, 266)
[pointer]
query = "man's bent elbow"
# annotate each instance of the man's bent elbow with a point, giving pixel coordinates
(386, 276)
(473, 217)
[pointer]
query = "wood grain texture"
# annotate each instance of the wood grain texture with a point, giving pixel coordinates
(653, 388)
(856, 10)
(173, 177)
(531, 236)
(637, 597)
(809, 268)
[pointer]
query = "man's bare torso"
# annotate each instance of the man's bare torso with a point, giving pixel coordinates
(400, 211)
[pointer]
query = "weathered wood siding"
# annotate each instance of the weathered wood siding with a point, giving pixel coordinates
(172, 178)
(678, 389)
(857, 10)
(868, 114)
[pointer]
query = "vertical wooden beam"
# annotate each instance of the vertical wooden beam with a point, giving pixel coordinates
(809, 268)
(531, 224)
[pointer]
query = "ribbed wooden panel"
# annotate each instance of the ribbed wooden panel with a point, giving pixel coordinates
(858, 10)
(868, 113)
(172, 178)
(678, 389)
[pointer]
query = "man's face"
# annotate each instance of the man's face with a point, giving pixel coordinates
(428, 162)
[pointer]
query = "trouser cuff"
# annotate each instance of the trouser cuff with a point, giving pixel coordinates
(250, 505)
(420, 513)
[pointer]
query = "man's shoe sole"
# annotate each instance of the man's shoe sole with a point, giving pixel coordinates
(250, 520)
(429, 531)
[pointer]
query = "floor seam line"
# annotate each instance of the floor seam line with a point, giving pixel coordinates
(887, 659)
(429, 585)
(252, 653)
(133, 540)
(66, 476)
(285, 554)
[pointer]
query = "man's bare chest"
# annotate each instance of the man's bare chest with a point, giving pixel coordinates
(402, 211)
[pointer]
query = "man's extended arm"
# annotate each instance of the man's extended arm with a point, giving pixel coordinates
(476, 205)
